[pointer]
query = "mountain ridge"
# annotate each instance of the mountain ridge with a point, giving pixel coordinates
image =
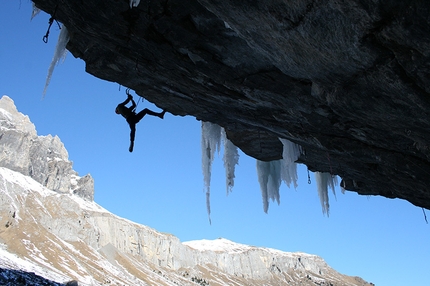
(63, 235)
(85, 231)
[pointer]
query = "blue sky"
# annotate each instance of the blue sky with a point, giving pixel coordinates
(160, 184)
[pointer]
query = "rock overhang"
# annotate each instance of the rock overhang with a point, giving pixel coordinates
(348, 82)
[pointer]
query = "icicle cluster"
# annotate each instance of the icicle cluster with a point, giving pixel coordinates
(290, 154)
(59, 55)
(324, 181)
(212, 135)
(270, 174)
(269, 177)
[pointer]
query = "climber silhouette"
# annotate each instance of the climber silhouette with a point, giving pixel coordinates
(132, 118)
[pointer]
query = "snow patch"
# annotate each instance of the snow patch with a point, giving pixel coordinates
(217, 245)
(11, 261)
(228, 246)
(28, 183)
(25, 181)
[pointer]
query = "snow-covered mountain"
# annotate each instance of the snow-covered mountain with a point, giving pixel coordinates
(52, 232)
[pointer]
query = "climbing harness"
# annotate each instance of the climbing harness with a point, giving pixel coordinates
(51, 20)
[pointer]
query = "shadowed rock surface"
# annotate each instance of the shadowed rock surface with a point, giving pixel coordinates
(346, 80)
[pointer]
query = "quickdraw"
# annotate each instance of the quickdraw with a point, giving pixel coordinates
(51, 20)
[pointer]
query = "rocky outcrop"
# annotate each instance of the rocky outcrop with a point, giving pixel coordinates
(43, 158)
(348, 81)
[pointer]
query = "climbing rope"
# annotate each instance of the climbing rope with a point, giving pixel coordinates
(51, 20)
(309, 178)
(137, 104)
(127, 91)
(425, 217)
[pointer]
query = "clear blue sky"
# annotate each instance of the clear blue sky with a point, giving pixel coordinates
(160, 184)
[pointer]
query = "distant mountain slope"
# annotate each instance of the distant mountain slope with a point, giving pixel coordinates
(64, 236)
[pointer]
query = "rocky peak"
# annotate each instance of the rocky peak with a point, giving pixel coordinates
(44, 158)
(346, 80)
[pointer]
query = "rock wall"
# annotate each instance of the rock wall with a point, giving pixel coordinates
(43, 158)
(346, 80)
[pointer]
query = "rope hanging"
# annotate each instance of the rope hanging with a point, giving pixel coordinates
(127, 91)
(51, 20)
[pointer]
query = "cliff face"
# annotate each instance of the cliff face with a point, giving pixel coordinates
(43, 158)
(62, 235)
(346, 80)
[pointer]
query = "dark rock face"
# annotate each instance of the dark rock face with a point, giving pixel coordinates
(347, 80)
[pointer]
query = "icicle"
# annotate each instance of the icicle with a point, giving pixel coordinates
(325, 180)
(342, 186)
(269, 177)
(332, 182)
(290, 154)
(231, 159)
(35, 11)
(59, 54)
(211, 141)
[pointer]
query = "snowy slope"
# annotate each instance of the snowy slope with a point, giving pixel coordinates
(63, 237)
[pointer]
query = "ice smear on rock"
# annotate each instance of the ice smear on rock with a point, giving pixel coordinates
(269, 177)
(59, 55)
(134, 3)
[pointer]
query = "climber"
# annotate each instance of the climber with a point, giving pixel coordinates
(132, 118)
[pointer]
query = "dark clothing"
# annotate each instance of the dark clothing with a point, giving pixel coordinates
(132, 118)
(124, 110)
